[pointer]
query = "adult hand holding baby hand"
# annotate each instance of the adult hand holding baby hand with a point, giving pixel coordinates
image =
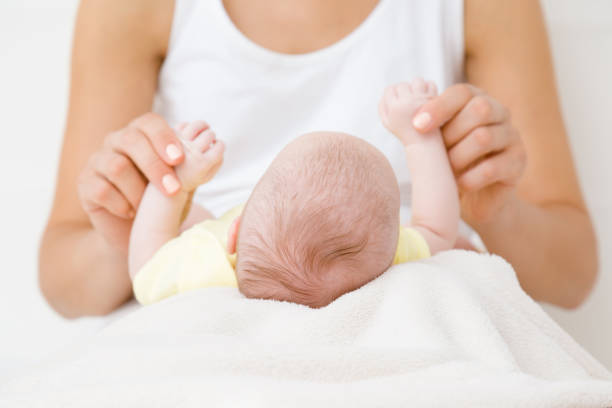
(485, 151)
(112, 183)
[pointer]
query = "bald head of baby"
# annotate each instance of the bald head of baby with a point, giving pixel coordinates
(322, 221)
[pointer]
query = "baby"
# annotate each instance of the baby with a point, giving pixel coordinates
(322, 221)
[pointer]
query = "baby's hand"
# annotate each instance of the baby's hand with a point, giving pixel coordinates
(399, 104)
(203, 155)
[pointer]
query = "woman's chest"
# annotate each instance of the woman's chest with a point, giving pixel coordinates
(258, 96)
(297, 26)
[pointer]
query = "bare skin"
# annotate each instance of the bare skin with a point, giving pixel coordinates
(435, 206)
(538, 221)
(158, 218)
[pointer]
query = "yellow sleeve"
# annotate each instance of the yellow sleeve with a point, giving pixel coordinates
(195, 259)
(411, 246)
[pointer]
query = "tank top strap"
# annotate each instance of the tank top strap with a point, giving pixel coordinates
(186, 13)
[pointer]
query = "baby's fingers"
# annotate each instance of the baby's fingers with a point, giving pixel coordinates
(205, 141)
(191, 130)
(215, 152)
(210, 162)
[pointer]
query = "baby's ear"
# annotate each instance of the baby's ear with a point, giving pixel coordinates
(232, 235)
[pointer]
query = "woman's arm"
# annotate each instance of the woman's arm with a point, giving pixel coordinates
(118, 50)
(545, 230)
(538, 223)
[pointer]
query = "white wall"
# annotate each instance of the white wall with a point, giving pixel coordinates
(35, 47)
(34, 69)
(581, 34)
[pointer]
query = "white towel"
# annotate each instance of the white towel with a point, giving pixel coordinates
(453, 330)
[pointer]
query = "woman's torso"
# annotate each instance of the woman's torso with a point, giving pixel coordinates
(257, 100)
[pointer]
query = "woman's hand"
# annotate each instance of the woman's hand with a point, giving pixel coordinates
(484, 149)
(114, 179)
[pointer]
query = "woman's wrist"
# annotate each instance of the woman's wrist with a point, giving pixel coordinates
(551, 247)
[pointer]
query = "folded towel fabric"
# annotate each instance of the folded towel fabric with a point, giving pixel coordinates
(452, 330)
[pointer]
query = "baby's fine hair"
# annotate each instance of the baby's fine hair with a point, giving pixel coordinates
(332, 210)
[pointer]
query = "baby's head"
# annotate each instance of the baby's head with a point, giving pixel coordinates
(322, 221)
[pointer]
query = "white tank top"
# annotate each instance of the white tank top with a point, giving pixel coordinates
(258, 100)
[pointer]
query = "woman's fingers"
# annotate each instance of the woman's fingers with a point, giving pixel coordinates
(122, 173)
(481, 110)
(162, 137)
(505, 167)
(441, 109)
(479, 143)
(97, 192)
(132, 143)
(205, 140)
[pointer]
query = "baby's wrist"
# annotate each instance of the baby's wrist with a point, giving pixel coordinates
(183, 195)
(187, 207)
(423, 145)
(411, 138)
(181, 202)
(188, 186)
(177, 199)
(187, 189)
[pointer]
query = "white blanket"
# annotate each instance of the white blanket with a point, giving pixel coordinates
(454, 330)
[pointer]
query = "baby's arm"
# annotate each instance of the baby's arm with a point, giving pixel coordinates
(157, 221)
(435, 202)
(159, 218)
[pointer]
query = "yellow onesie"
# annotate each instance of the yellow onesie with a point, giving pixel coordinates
(198, 258)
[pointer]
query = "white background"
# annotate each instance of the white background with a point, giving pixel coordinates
(35, 41)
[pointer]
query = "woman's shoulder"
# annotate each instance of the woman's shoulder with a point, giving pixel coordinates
(145, 24)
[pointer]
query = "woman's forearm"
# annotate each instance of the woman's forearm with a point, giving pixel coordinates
(80, 274)
(552, 248)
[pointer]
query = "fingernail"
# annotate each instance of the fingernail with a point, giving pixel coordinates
(421, 120)
(173, 152)
(170, 183)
